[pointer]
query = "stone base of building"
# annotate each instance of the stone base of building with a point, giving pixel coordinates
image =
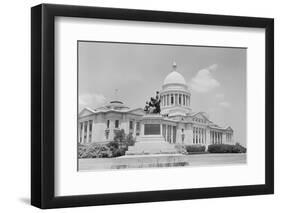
(148, 161)
(151, 145)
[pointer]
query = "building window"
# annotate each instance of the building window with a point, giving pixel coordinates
(108, 123)
(172, 99)
(116, 123)
(131, 125)
(179, 99)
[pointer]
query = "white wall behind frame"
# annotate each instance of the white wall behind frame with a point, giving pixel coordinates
(15, 96)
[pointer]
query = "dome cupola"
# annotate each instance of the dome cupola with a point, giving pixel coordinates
(174, 77)
(175, 96)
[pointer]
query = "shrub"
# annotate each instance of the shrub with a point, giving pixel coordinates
(226, 148)
(181, 149)
(115, 148)
(195, 148)
(238, 148)
(93, 151)
(119, 152)
(119, 146)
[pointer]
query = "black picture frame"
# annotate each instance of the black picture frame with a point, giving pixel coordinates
(43, 105)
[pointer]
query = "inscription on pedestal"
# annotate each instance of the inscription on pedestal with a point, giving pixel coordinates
(151, 129)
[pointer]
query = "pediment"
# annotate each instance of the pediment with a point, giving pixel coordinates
(138, 111)
(86, 112)
(199, 117)
(229, 128)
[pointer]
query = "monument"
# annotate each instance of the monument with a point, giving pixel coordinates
(151, 140)
(151, 149)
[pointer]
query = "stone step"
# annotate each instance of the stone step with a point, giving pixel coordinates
(151, 138)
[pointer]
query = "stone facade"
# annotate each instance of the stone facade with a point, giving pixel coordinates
(178, 124)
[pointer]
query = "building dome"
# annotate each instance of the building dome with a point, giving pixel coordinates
(175, 96)
(115, 105)
(174, 78)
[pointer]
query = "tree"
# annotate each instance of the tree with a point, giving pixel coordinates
(120, 143)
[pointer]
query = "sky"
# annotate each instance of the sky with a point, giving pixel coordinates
(216, 77)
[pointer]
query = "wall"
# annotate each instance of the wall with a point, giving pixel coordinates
(15, 97)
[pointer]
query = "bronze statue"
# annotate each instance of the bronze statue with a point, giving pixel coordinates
(153, 106)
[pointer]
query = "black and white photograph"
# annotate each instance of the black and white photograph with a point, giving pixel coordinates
(145, 105)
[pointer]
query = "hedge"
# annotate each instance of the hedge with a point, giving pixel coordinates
(226, 148)
(195, 148)
(93, 151)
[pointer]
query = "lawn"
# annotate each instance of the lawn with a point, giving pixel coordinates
(193, 160)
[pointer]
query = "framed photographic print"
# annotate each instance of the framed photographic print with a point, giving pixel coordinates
(139, 106)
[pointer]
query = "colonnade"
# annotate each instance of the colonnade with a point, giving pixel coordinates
(228, 137)
(85, 131)
(168, 133)
(199, 135)
(175, 99)
(216, 137)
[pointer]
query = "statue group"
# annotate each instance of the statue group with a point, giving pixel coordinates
(153, 106)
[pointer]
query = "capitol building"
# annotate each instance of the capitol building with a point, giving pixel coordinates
(179, 123)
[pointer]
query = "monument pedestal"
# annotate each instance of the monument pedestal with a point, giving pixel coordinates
(151, 140)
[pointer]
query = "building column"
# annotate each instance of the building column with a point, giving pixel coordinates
(166, 133)
(215, 137)
(172, 134)
(87, 131)
(201, 136)
(196, 132)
